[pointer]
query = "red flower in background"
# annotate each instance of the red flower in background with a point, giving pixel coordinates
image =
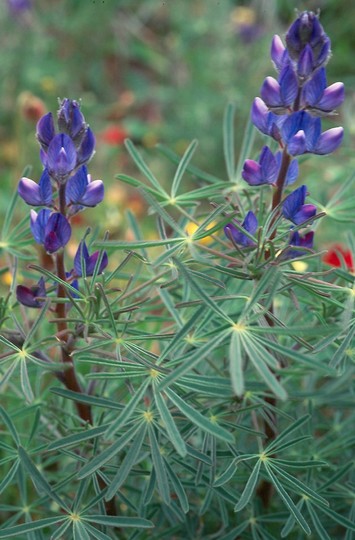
(114, 135)
(337, 255)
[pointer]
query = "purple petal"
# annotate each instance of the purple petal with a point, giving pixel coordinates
(259, 115)
(277, 52)
(87, 147)
(38, 223)
(288, 86)
(314, 88)
(252, 173)
(76, 186)
(28, 296)
(29, 191)
(333, 96)
(268, 165)
(297, 144)
(70, 118)
(45, 130)
(250, 223)
(81, 258)
(270, 92)
(57, 232)
(293, 202)
(61, 156)
(329, 141)
(306, 211)
(292, 173)
(305, 62)
(94, 193)
(45, 187)
(313, 129)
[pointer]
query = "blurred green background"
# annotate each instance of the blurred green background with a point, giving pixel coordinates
(156, 71)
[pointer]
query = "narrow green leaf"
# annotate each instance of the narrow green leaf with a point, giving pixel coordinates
(198, 419)
(117, 521)
(273, 446)
(236, 364)
(178, 488)
(287, 500)
(162, 212)
(342, 349)
(248, 140)
(99, 535)
(79, 531)
(201, 293)
(29, 527)
(38, 479)
(10, 425)
(249, 488)
(191, 361)
(338, 518)
(9, 476)
(127, 411)
(227, 475)
(170, 426)
(261, 367)
(322, 533)
(85, 398)
(142, 166)
(137, 184)
(58, 534)
(35, 325)
(298, 486)
(182, 167)
(25, 381)
(228, 140)
(159, 467)
(264, 286)
(100, 459)
(77, 438)
(127, 464)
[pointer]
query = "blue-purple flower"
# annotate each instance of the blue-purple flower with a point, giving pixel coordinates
(31, 296)
(71, 119)
(45, 130)
(295, 209)
(318, 98)
(82, 191)
(299, 241)
(60, 158)
(266, 170)
(84, 263)
(50, 229)
(250, 225)
(36, 194)
(302, 133)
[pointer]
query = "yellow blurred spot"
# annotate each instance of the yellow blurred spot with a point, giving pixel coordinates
(192, 227)
(242, 15)
(6, 278)
(263, 457)
(300, 266)
(213, 419)
(22, 354)
(149, 140)
(48, 84)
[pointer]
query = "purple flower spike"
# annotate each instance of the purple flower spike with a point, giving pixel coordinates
(61, 157)
(85, 263)
(295, 210)
(307, 30)
(29, 296)
(36, 194)
(45, 130)
(57, 232)
(263, 172)
(87, 147)
(71, 119)
(80, 190)
(250, 224)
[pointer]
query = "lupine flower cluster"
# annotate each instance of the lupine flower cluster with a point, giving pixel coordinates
(64, 189)
(289, 111)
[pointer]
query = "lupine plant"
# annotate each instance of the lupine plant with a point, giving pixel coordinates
(197, 385)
